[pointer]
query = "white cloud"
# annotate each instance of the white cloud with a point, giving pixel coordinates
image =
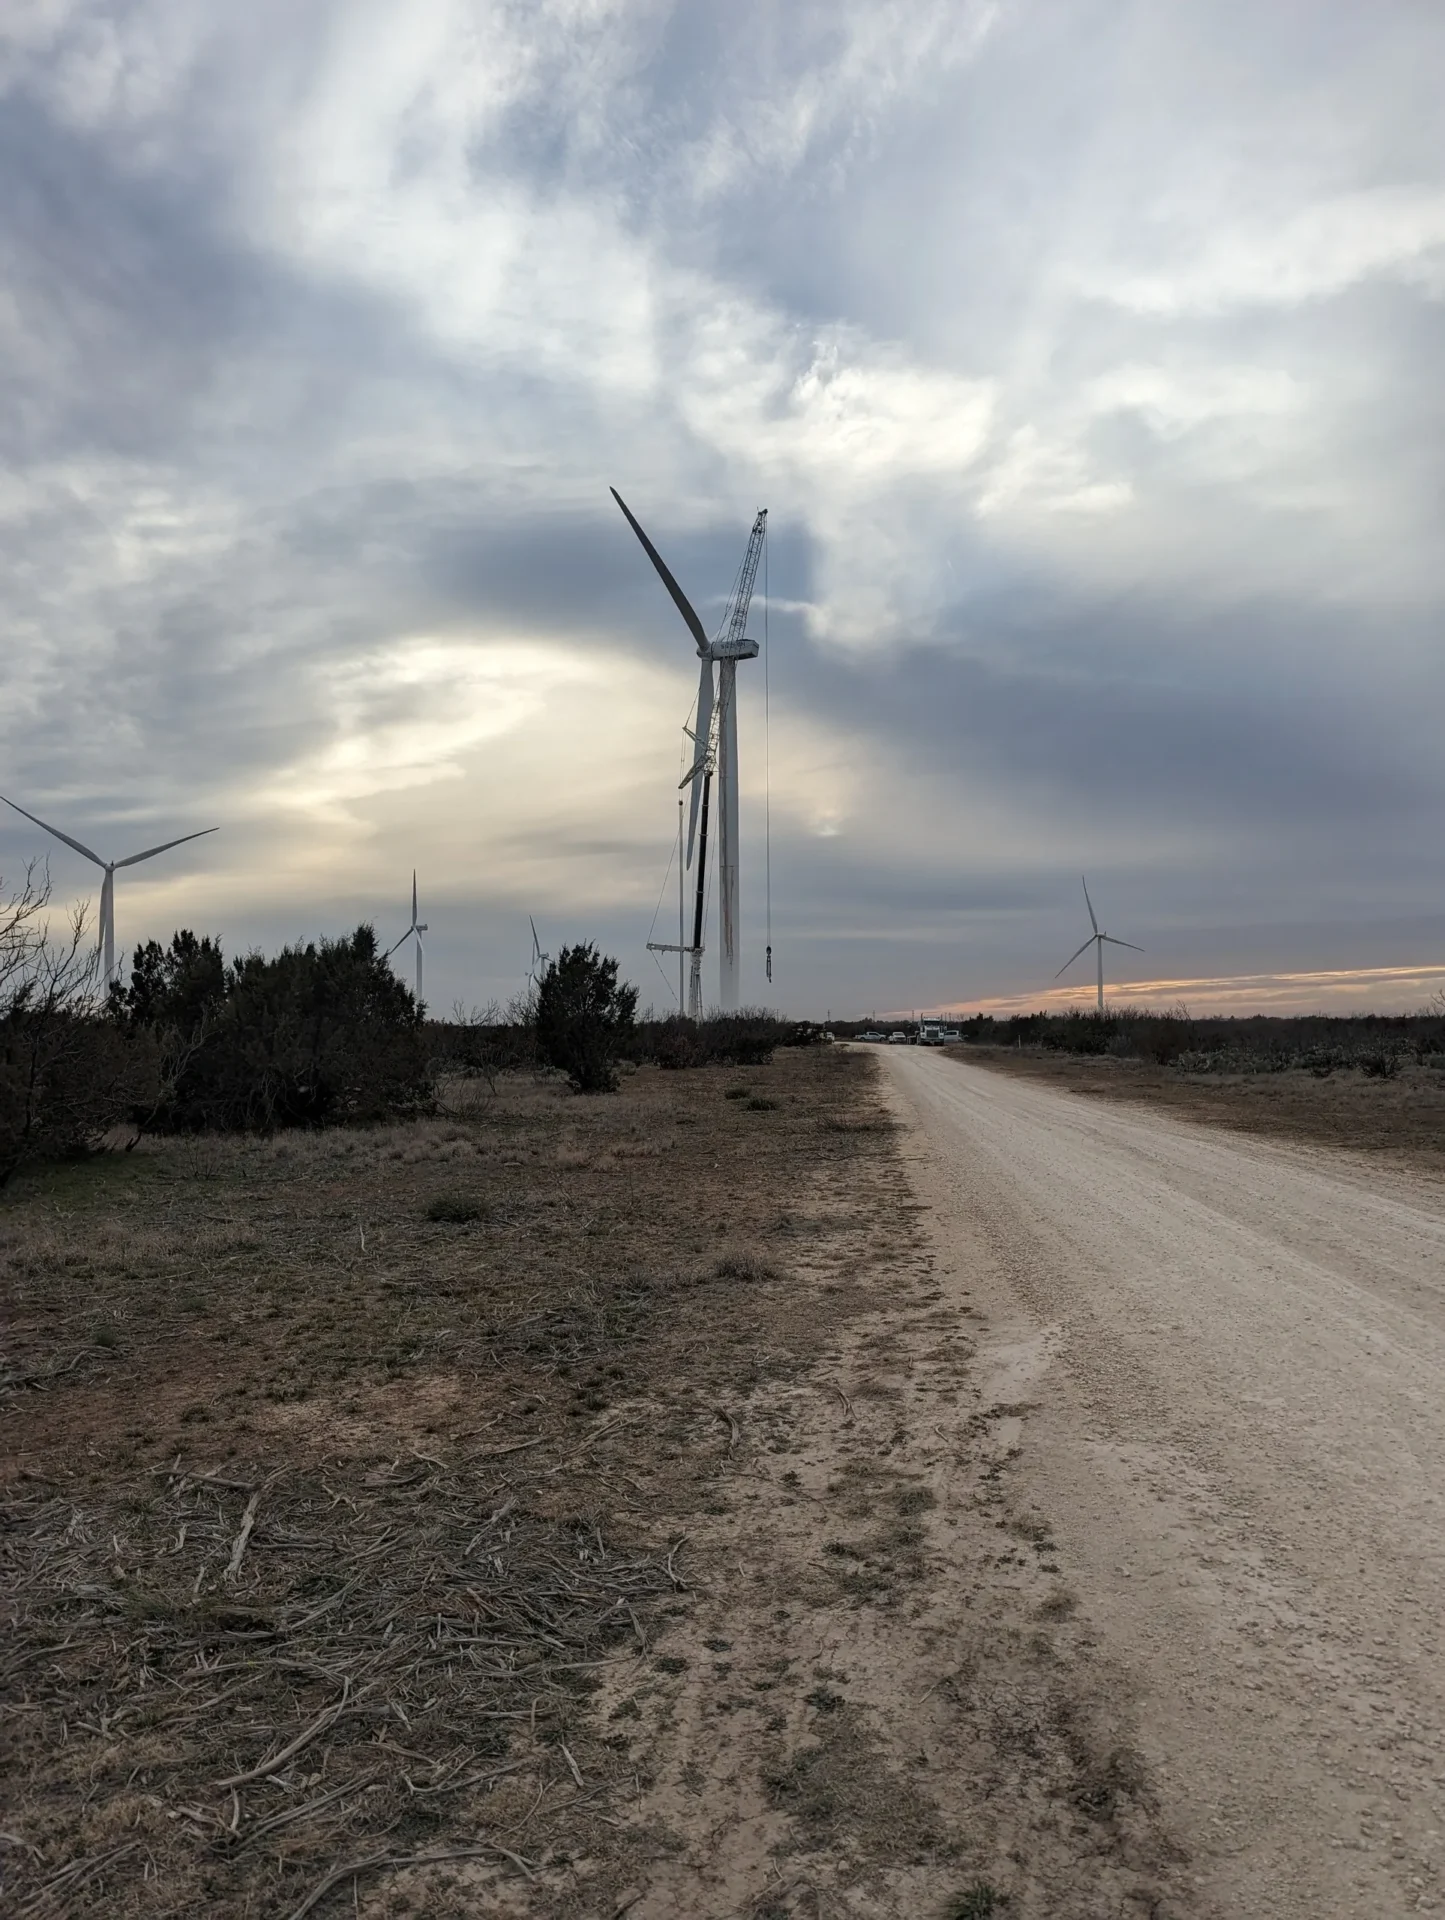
(1312, 253)
(1039, 475)
(1176, 400)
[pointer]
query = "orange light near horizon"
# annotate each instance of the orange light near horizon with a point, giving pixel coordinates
(1345, 989)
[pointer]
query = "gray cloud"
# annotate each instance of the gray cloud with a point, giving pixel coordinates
(1089, 364)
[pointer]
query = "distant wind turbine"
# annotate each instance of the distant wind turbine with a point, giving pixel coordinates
(539, 959)
(107, 886)
(1096, 939)
(417, 928)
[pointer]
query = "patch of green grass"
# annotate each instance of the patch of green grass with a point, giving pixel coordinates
(759, 1103)
(736, 1093)
(106, 1337)
(978, 1902)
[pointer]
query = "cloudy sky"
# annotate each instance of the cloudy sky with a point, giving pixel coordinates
(1087, 355)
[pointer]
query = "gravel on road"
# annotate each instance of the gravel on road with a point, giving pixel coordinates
(1226, 1358)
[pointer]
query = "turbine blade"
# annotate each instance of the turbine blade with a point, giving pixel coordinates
(413, 896)
(702, 737)
(1074, 956)
(1090, 905)
(165, 847)
(680, 599)
(58, 834)
(1120, 943)
(536, 943)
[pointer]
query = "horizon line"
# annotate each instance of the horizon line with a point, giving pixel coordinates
(1264, 991)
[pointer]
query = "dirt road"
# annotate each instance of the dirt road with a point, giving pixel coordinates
(1228, 1359)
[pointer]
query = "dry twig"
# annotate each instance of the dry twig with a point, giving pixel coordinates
(353, 1869)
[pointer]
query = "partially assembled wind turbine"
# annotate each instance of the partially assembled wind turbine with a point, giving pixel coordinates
(1096, 939)
(417, 929)
(715, 738)
(107, 886)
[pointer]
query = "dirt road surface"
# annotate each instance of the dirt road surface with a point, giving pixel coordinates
(1226, 1359)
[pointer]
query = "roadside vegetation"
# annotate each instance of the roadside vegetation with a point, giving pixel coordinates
(319, 1035)
(1368, 1081)
(1376, 1045)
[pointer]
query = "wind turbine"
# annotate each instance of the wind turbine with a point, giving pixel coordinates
(539, 959)
(417, 927)
(107, 886)
(715, 739)
(1096, 939)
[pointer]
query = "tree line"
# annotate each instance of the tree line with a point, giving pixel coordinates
(320, 1034)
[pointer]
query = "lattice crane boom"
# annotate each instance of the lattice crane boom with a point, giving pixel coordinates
(735, 619)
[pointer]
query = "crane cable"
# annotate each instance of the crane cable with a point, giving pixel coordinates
(767, 765)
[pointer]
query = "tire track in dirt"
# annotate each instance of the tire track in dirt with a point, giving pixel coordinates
(879, 1697)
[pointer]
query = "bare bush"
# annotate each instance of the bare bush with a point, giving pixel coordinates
(68, 1076)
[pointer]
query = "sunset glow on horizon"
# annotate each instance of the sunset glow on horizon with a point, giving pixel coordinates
(1346, 990)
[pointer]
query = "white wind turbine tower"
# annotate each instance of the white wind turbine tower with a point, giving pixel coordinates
(107, 886)
(417, 928)
(1096, 939)
(716, 741)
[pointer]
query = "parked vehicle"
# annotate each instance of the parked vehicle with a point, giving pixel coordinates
(933, 1033)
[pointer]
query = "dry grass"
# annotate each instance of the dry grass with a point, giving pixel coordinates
(321, 1515)
(433, 1520)
(1404, 1116)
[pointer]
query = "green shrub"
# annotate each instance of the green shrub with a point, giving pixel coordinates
(1377, 1064)
(746, 1038)
(583, 1018)
(317, 1035)
(1378, 1045)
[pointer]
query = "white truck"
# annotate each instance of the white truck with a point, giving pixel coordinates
(933, 1033)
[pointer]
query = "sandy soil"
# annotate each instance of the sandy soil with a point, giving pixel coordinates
(1228, 1356)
